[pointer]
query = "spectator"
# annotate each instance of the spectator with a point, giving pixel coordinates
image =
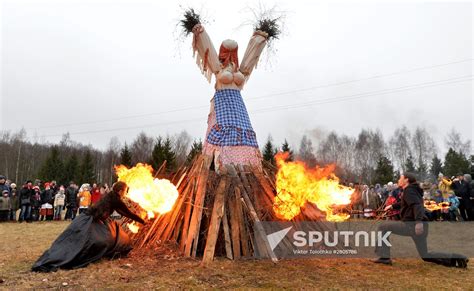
(393, 214)
(59, 200)
(5, 205)
(35, 204)
(427, 193)
(444, 185)
(462, 189)
(47, 203)
(95, 194)
(54, 186)
(84, 198)
(103, 190)
(450, 213)
(371, 201)
(71, 204)
(15, 202)
(3, 185)
(25, 196)
(386, 191)
(356, 201)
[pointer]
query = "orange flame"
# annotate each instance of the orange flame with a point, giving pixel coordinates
(133, 227)
(297, 184)
(153, 195)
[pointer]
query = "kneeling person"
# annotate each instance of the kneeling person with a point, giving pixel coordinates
(413, 223)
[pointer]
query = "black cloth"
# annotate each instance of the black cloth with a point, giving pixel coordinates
(411, 204)
(71, 197)
(26, 196)
(90, 237)
(47, 196)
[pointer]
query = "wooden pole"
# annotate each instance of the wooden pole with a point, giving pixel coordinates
(195, 224)
(216, 218)
(228, 241)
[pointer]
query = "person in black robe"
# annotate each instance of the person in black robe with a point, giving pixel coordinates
(91, 236)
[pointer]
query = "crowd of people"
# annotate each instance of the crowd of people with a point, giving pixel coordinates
(46, 201)
(448, 199)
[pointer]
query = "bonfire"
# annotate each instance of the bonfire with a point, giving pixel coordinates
(206, 215)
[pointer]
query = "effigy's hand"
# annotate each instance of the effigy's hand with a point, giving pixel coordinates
(198, 28)
(190, 20)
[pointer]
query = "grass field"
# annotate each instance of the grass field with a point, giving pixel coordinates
(22, 244)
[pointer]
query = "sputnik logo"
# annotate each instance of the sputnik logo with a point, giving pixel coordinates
(275, 238)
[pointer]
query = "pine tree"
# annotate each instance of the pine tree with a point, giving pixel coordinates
(422, 171)
(163, 151)
(71, 169)
(285, 147)
(126, 156)
(455, 163)
(53, 167)
(157, 155)
(269, 151)
(410, 165)
(436, 167)
(86, 169)
(196, 149)
(169, 154)
(384, 171)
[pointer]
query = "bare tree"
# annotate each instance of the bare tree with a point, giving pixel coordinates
(453, 140)
(329, 148)
(369, 147)
(400, 147)
(424, 149)
(181, 144)
(306, 152)
(141, 148)
(347, 156)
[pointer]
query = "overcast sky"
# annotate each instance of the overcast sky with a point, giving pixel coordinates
(114, 68)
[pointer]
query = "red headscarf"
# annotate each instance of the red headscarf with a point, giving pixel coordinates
(227, 56)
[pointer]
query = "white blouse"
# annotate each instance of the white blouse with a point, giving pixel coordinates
(226, 78)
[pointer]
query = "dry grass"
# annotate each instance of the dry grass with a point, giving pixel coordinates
(22, 244)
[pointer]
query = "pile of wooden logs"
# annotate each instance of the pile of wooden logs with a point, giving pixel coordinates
(215, 215)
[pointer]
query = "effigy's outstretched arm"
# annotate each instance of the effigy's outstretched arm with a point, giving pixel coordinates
(252, 53)
(206, 57)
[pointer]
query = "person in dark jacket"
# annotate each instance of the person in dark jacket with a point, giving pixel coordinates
(15, 201)
(25, 196)
(413, 224)
(91, 236)
(47, 200)
(35, 204)
(4, 186)
(462, 189)
(71, 201)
